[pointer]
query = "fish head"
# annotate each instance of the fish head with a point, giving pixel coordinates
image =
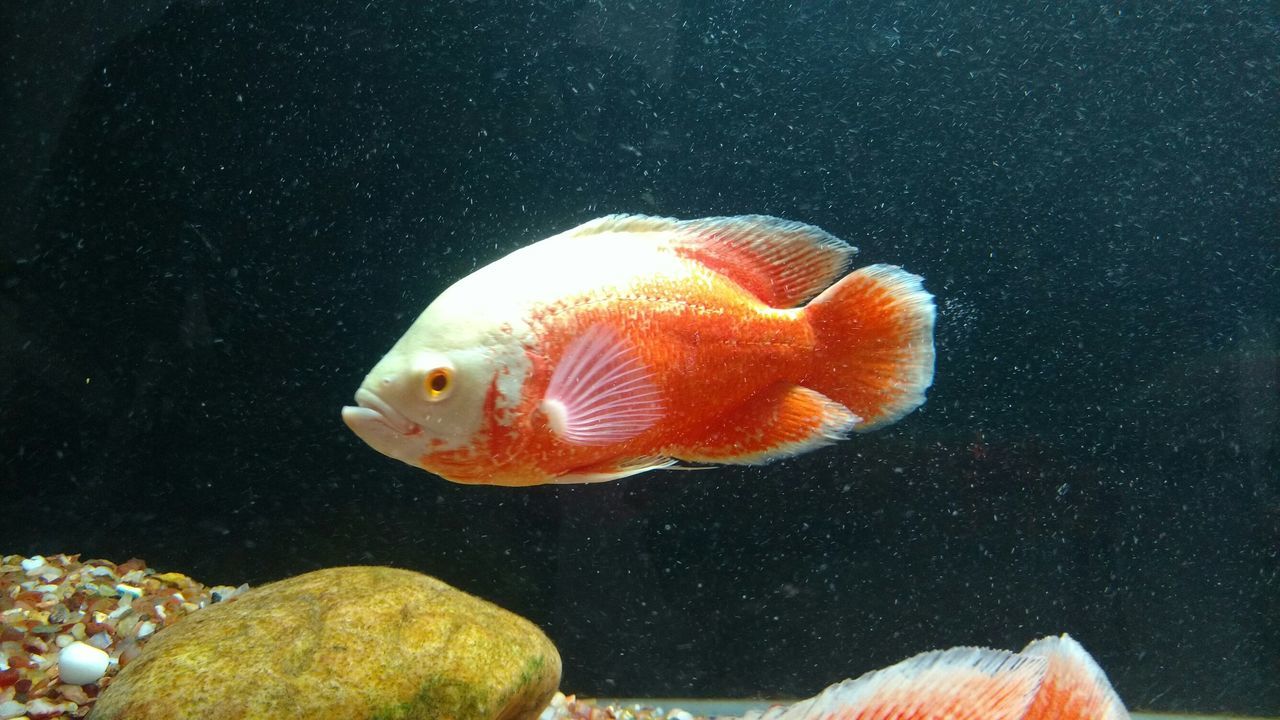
(419, 402)
(415, 403)
(447, 381)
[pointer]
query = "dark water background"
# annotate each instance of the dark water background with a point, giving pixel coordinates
(217, 216)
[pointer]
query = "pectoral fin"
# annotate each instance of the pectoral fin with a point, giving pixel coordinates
(600, 392)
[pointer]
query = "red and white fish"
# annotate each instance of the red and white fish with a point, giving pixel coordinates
(1051, 679)
(632, 343)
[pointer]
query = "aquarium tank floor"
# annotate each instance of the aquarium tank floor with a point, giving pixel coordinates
(727, 708)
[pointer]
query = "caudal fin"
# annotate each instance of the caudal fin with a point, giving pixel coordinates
(874, 343)
(1074, 687)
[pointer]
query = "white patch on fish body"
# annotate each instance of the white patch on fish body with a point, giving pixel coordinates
(492, 306)
(496, 350)
(545, 272)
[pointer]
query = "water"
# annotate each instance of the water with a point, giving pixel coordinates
(218, 215)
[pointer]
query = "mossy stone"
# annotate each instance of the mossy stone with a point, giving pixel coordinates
(352, 642)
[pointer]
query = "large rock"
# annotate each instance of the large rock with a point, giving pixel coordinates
(355, 642)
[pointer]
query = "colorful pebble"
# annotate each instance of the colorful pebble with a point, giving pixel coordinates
(63, 620)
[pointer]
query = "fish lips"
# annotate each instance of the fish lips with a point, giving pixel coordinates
(382, 426)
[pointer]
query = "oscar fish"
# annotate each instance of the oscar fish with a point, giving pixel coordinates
(632, 343)
(1051, 679)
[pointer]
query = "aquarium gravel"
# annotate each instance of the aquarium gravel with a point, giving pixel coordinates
(50, 603)
(569, 707)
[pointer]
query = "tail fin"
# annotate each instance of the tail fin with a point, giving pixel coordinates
(874, 343)
(1074, 687)
(956, 684)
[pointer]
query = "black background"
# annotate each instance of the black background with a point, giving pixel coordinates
(217, 216)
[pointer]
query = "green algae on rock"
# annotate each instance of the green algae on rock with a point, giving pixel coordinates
(354, 642)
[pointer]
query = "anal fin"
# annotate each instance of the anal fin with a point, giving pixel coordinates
(614, 470)
(782, 421)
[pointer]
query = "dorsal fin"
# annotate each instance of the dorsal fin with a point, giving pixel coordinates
(781, 262)
(624, 223)
(956, 684)
(1074, 687)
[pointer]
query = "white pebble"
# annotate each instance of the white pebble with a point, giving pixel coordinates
(81, 664)
(12, 709)
(32, 564)
(128, 591)
(679, 715)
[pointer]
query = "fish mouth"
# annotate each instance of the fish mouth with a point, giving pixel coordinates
(371, 407)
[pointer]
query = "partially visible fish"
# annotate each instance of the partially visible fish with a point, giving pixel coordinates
(632, 343)
(1051, 679)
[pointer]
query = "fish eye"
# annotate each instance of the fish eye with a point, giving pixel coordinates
(437, 383)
